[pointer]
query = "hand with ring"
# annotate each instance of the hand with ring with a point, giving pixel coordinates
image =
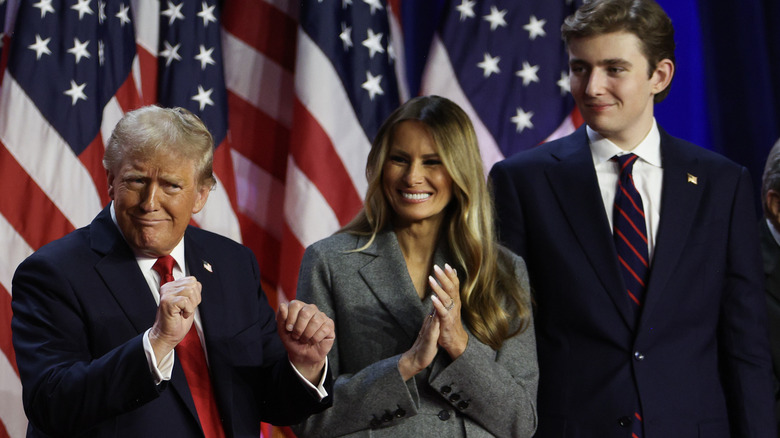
(446, 289)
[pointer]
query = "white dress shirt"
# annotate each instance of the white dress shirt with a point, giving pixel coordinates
(647, 172)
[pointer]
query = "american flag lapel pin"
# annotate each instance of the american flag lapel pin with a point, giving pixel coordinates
(692, 179)
(207, 266)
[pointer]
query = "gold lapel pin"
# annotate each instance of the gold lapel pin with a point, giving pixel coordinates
(692, 179)
(207, 266)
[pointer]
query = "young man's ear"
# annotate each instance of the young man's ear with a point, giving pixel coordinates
(662, 75)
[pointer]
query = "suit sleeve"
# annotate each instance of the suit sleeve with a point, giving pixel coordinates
(359, 395)
(481, 376)
(65, 389)
(509, 213)
(743, 328)
(283, 397)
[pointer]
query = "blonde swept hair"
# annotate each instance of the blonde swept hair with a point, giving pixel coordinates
(152, 129)
(493, 305)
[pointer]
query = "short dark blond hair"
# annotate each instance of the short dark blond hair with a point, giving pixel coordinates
(152, 129)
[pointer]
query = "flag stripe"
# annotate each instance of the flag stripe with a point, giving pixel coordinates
(268, 27)
(39, 221)
(259, 196)
(315, 157)
(255, 124)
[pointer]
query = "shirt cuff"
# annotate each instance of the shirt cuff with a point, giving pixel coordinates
(320, 388)
(164, 370)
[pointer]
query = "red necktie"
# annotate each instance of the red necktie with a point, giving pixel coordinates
(193, 361)
(630, 234)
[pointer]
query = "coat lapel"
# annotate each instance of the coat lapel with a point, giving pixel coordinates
(680, 200)
(574, 182)
(120, 272)
(387, 277)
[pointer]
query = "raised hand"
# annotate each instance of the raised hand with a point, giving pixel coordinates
(175, 314)
(307, 335)
(423, 350)
(446, 300)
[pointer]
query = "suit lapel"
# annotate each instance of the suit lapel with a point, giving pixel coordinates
(574, 182)
(387, 277)
(120, 272)
(679, 203)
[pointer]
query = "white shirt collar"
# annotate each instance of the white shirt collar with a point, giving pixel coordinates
(649, 149)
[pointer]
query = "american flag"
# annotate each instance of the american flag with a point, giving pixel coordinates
(253, 70)
(504, 62)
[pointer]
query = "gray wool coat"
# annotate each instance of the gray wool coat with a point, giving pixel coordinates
(378, 315)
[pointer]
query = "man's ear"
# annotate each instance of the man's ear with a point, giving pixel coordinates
(662, 75)
(201, 196)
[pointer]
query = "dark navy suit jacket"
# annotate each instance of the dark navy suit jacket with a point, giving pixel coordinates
(699, 360)
(81, 306)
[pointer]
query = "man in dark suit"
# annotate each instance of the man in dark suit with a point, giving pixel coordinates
(650, 316)
(769, 232)
(112, 321)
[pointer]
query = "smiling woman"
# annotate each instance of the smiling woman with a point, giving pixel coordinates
(433, 316)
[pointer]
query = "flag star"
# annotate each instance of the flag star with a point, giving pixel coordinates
(528, 73)
(535, 27)
(76, 92)
(203, 97)
(523, 120)
(170, 53)
(41, 47)
(374, 43)
(79, 49)
(45, 6)
(207, 14)
(101, 11)
(372, 85)
(466, 9)
(205, 57)
(173, 12)
(496, 18)
(82, 6)
(564, 83)
(489, 65)
(374, 5)
(123, 15)
(346, 35)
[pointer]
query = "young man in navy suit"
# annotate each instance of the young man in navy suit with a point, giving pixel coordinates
(641, 251)
(140, 325)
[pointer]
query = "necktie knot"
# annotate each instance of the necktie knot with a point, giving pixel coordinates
(164, 267)
(626, 162)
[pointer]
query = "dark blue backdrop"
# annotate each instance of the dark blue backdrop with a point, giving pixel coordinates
(726, 91)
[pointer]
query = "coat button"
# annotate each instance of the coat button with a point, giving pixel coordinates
(446, 389)
(454, 398)
(399, 412)
(639, 356)
(624, 421)
(463, 405)
(387, 417)
(374, 423)
(444, 415)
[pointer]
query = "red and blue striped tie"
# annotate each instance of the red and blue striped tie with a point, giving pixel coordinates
(630, 234)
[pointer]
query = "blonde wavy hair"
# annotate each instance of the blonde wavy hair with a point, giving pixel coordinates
(493, 305)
